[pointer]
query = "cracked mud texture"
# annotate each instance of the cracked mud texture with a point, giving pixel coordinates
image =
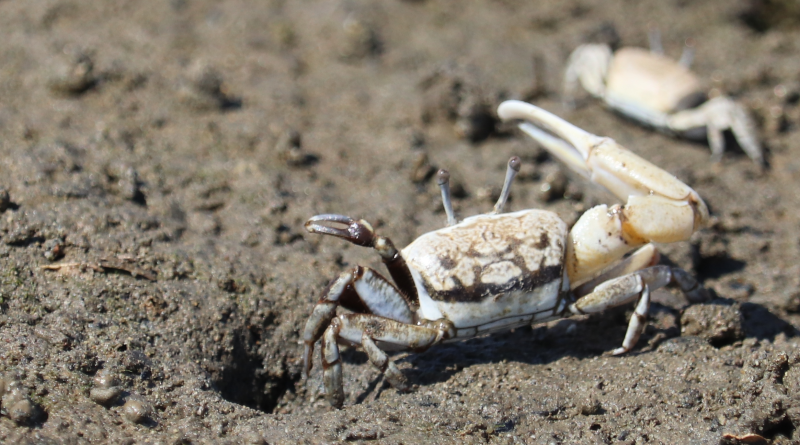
(159, 159)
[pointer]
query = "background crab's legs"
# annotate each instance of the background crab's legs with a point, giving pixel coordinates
(717, 115)
(587, 65)
(659, 207)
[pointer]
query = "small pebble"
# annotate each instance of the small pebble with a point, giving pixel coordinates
(23, 411)
(591, 406)
(360, 40)
(203, 89)
(253, 438)
(105, 378)
(105, 396)
(135, 411)
(554, 187)
(53, 249)
(12, 393)
(73, 77)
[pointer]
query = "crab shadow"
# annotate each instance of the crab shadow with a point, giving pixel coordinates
(580, 338)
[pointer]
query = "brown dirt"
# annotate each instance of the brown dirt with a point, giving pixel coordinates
(160, 159)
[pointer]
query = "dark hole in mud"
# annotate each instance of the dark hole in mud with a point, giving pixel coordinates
(785, 429)
(762, 15)
(354, 356)
(245, 380)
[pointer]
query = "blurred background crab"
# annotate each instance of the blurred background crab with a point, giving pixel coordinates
(660, 92)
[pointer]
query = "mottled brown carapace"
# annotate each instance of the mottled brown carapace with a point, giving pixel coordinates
(486, 256)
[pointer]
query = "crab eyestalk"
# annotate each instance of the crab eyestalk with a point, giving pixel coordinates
(443, 178)
(511, 172)
(654, 37)
(687, 56)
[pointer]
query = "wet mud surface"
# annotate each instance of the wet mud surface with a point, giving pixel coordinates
(158, 161)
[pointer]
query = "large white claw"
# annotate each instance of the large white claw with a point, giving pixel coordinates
(601, 159)
(658, 208)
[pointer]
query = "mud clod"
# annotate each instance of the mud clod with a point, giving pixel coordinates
(72, 77)
(718, 323)
(105, 396)
(23, 411)
(203, 89)
(360, 40)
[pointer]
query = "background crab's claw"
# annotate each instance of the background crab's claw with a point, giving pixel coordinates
(357, 232)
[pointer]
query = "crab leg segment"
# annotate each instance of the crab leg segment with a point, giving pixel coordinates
(659, 207)
(646, 256)
(361, 290)
(362, 234)
(368, 331)
(624, 289)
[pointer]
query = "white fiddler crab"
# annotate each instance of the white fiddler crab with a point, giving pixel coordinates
(659, 92)
(498, 271)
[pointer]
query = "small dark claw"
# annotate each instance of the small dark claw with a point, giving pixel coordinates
(307, 358)
(357, 232)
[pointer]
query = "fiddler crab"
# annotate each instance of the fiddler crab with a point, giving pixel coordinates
(659, 92)
(499, 271)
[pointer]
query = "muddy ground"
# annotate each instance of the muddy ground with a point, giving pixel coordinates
(160, 159)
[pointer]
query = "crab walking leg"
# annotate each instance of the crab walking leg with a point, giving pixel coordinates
(636, 324)
(360, 289)
(659, 207)
(622, 290)
(362, 234)
(332, 366)
(368, 330)
(646, 258)
(381, 361)
(718, 115)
